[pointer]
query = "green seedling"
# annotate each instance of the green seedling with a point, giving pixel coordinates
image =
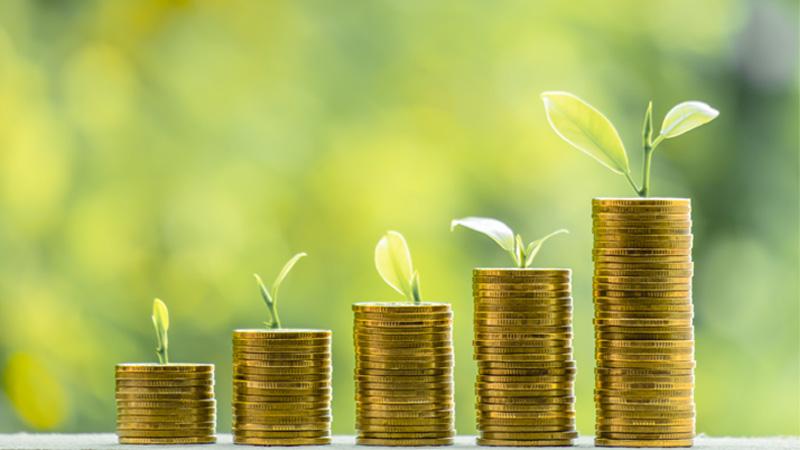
(501, 233)
(588, 130)
(161, 323)
(271, 296)
(393, 261)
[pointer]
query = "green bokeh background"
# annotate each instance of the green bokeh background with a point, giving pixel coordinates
(171, 149)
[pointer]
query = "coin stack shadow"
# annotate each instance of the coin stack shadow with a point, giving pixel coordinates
(404, 374)
(644, 340)
(282, 387)
(165, 404)
(523, 346)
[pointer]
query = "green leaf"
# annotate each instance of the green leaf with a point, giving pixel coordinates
(685, 117)
(282, 275)
(498, 231)
(586, 129)
(160, 315)
(161, 323)
(535, 246)
(647, 127)
(393, 261)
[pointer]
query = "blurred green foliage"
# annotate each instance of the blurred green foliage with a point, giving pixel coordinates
(171, 149)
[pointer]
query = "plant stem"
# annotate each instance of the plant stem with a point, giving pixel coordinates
(273, 312)
(648, 158)
(161, 351)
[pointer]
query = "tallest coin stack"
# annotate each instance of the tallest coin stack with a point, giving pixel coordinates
(644, 340)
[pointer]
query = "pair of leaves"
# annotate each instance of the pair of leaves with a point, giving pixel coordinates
(504, 236)
(393, 261)
(161, 323)
(271, 296)
(588, 130)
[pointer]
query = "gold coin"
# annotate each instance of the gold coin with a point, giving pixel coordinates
(515, 408)
(654, 425)
(410, 435)
(207, 408)
(280, 334)
(487, 394)
(486, 416)
(257, 440)
(521, 273)
(485, 295)
(528, 365)
(127, 425)
(179, 416)
(523, 386)
(565, 314)
(395, 408)
(177, 433)
(251, 424)
(287, 364)
(411, 414)
(490, 372)
(399, 423)
(525, 379)
(567, 399)
(645, 436)
(394, 442)
(523, 443)
(168, 440)
(629, 412)
(530, 435)
(601, 231)
(286, 434)
(671, 443)
(517, 286)
(173, 368)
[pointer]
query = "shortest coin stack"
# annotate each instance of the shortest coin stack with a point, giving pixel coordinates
(404, 374)
(282, 387)
(165, 404)
(523, 345)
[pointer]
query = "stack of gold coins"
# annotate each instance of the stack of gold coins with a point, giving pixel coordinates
(165, 404)
(523, 345)
(644, 380)
(404, 374)
(282, 387)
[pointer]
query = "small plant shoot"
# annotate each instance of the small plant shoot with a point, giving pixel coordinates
(161, 323)
(271, 296)
(393, 261)
(588, 130)
(501, 233)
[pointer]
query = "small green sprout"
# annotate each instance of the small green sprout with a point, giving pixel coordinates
(588, 130)
(271, 296)
(161, 323)
(393, 261)
(501, 233)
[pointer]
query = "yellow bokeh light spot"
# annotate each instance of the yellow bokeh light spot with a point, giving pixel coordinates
(37, 396)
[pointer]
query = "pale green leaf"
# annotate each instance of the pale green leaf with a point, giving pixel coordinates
(495, 229)
(160, 315)
(282, 275)
(535, 246)
(161, 323)
(586, 129)
(686, 116)
(393, 261)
